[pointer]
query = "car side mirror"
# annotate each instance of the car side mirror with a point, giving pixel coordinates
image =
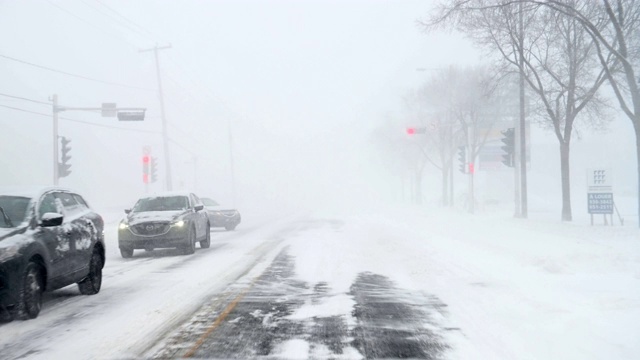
(199, 207)
(51, 219)
(127, 211)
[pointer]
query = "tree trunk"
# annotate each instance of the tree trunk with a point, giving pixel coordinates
(445, 186)
(472, 197)
(419, 187)
(636, 126)
(566, 181)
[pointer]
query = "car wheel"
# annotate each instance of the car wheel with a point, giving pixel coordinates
(126, 252)
(204, 244)
(30, 298)
(190, 247)
(92, 283)
(230, 227)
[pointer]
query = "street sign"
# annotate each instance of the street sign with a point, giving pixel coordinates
(109, 110)
(600, 203)
(599, 180)
(131, 115)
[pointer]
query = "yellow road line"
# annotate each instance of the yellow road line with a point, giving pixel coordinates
(219, 320)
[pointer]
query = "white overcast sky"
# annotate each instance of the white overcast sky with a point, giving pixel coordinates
(302, 84)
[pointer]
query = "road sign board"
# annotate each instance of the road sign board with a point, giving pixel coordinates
(599, 180)
(109, 110)
(600, 203)
(131, 115)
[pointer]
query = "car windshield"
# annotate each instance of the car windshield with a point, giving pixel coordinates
(209, 202)
(163, 203)
(14, 209)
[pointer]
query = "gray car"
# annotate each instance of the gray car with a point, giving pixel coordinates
(169, 220)
(49, 238)
(220, 216)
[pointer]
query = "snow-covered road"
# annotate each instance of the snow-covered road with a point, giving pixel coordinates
(370, 284)
(140, 300)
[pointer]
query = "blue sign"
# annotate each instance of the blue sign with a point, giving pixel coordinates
(600, 203)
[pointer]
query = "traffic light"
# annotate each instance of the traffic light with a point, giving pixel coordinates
(462, 156)
(154, 169)
(146, 161)
(509, 141)
(64, 168)
(416, 130)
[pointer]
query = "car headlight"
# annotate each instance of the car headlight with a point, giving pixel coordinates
(123, 225)
(8, 252)
(179, 223)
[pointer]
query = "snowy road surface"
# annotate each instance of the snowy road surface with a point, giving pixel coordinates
(399, 283)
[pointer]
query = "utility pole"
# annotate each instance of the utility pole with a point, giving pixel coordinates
(523, 147)
(165, 137)
(55, 139)
(231, 165)
(195, 173)
(452, 154)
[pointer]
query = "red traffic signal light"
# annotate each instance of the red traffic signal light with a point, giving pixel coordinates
(416, 130)
(146, 159)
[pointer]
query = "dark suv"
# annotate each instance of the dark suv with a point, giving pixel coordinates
(169, 220)
(49, 238)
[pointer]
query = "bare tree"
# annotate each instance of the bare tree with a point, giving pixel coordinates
(557, 58)
(617, 45)
(463, 100)
(436, 143)
(401, 155)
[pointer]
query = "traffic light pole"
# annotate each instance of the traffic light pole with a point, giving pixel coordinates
(55, 140)
(165, 136)
(55, 110)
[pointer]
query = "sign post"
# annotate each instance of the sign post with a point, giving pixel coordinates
(600, 193)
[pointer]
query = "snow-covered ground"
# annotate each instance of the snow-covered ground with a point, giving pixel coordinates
(511, 288)
(515, 289)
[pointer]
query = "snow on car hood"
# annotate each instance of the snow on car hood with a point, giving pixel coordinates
(8, 232)
(139, 217)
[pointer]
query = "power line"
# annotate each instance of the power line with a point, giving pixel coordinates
(24, 110)
(189, 136)
(150, 35)
(26, 99)
(115, 19)
(90, 24)
(80, 121)
(73, 75)
(182, 147)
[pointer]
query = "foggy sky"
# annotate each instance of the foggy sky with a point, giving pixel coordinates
(301, 83)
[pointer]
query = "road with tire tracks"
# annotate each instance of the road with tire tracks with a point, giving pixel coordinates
(242, 297)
